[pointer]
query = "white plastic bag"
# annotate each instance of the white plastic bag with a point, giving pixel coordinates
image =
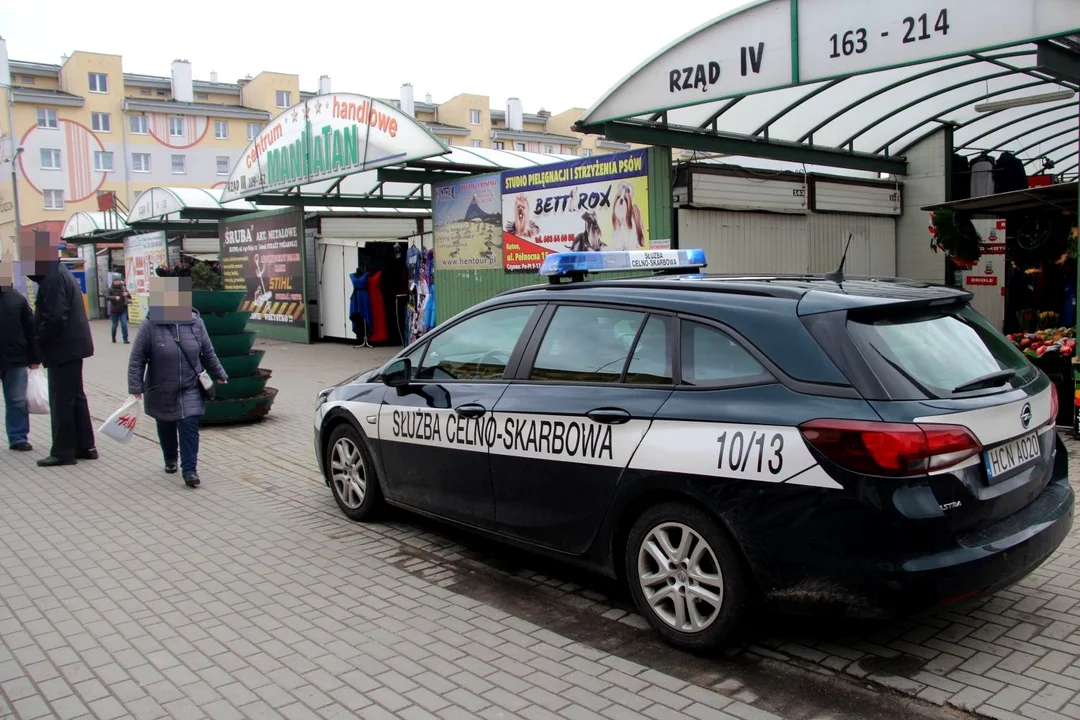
(37, 392)
(121, 424)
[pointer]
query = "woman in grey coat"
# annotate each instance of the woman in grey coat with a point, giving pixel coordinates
(170, 350)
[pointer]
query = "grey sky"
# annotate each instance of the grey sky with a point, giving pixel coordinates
(551, 53)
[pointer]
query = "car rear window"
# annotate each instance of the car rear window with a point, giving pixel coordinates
(937, 353)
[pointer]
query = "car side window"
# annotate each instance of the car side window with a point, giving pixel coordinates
(711, 358)
(586, 344)
(650, 363)
(475, 349)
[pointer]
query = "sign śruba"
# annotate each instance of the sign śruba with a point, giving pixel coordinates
(328, 136)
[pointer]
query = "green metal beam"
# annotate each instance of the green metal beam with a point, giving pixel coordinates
(944, 113)
(188, 229)
(345, 201)
(418, 177)
(213, 214)
(1058, 62)
(1007, 123)
(1048, 138)
(893, 86)
(751, 147)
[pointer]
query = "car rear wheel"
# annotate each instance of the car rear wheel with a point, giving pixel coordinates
(351, 474)
(685, 575)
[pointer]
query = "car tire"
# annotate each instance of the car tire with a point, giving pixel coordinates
(680, 600)
(350, 472)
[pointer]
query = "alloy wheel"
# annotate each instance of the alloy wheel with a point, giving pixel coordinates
(680, 577)
(348, 473)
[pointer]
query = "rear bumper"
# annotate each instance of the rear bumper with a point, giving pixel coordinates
(991, 559)
(847, 581)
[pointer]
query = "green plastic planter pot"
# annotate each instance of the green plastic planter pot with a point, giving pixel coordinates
(242, 365)
(229, 323)
(233, 345)
(242, 410)
(242, 387)
(217, 301)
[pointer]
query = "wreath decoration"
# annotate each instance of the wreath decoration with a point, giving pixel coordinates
(956, 236)
(1042, 241)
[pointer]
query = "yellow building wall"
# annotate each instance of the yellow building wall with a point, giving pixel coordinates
(456, 112)
(260, 93)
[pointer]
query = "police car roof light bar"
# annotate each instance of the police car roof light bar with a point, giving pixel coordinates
(576, 265)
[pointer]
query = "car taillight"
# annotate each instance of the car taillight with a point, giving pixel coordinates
(891, 449)
(1053, 405)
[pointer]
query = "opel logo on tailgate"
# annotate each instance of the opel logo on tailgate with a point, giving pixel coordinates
(1025, 415)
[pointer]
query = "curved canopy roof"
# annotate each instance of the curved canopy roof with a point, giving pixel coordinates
(403, 186)
(174, 203)
(94, 226)
(855, 84)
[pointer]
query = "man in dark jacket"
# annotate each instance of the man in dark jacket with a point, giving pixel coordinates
(118, 299)
(62, 333)
(17, 353)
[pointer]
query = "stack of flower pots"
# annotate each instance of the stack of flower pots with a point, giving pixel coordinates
(245, 398)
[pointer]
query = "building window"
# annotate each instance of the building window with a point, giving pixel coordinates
(475, 143)
(500, 145)
(162, 92)
(46, 118)
(179, 165)
(284, 98)
(519, 146)
(448, 141)
(140, 162)
(176, 127)
(101, 122)
(50, 159)
(569, 151)
(221, 129)
(549, 149)
(474, 117)
(253, 130)
(144, 91)
(103, 161)
(223, 165)
(54, 199)
(587, 152)
(202, 96)
(99, 83)
(139, 125)
(27, 80)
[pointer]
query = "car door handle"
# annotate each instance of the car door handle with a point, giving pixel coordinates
(470, 410)
(609, 416)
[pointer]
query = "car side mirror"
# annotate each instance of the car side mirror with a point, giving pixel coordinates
(398, 373)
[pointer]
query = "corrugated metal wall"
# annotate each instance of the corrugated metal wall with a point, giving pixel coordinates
(373, 228)
(740, 242)
(744, 242)
(873, 244)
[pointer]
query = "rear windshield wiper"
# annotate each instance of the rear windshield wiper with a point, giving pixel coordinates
(990, 379)
(908, 376)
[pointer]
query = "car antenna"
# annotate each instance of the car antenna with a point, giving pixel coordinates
(837, 276)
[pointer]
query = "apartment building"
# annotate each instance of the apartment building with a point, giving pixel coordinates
(86, 127)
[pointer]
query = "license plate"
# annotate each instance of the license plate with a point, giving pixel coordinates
(1012, 455)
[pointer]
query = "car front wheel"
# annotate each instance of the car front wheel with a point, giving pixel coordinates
(685, 576)
(351, 474)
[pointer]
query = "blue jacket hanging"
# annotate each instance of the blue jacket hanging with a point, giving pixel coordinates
(360, 306)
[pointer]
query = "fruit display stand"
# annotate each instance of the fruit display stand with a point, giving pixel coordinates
(1053, 350)
(246, 397)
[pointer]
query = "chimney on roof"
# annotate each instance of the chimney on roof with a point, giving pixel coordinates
(63, 59)
(514, 115)
(427, 98)
(213, 76)
(544, 113)
(181, 81)
(408, 106)
(324, 84)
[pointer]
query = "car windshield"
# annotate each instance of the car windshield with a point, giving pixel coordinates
(942, 353)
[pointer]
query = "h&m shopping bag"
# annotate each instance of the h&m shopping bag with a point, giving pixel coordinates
(121, 424)
(37, 392)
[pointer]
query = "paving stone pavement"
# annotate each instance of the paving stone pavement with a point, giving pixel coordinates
(125, 594)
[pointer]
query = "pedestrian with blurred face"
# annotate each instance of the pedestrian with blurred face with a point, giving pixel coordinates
(118, 299)
(171, 350)
(17, 354)
(62, 335)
